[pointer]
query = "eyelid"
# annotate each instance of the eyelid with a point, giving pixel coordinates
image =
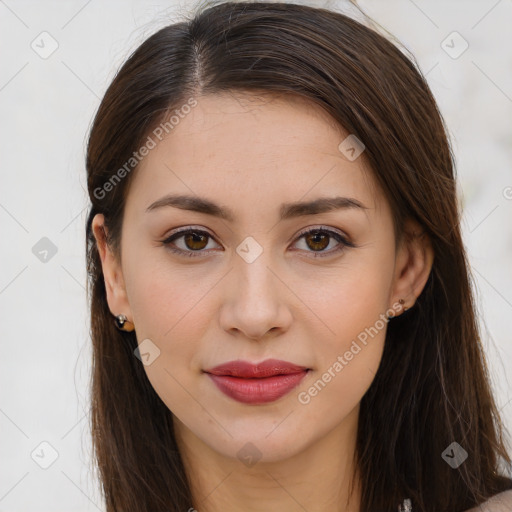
(321, 227)
(187, 229)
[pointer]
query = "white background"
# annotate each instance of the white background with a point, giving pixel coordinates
(47, 106)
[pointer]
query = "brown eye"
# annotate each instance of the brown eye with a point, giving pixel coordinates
(195, 241)
(317, 240)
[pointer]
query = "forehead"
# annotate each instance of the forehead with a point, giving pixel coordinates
(244, 149)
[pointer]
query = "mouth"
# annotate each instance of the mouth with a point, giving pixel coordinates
(257, 383)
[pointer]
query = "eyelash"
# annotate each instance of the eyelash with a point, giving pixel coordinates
(316, 254)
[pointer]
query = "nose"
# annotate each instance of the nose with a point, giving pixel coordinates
(255, 302)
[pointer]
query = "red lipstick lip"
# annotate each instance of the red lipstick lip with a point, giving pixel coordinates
(257, 383)
(247, 370)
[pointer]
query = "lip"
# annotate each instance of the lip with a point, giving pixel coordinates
(257, 383)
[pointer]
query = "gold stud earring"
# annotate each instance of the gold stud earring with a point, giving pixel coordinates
(402, 302)
(123, 324)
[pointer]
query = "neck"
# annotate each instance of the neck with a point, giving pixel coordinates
(320, 477)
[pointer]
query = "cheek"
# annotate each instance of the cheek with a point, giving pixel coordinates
(174, 320)
(162, 297)
(349, 299)
(346, 363)
(169, 309)
(352, 306)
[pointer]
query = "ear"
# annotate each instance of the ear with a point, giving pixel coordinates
(414, 260)
(114, 282)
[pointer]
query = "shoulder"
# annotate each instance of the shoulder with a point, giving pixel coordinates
(499, 503)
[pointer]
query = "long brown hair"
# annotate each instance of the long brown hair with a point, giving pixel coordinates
(432, 387)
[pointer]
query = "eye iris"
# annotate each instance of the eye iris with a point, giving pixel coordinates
(318, 245)
(194, 238)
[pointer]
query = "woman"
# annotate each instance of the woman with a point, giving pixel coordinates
(281, 309)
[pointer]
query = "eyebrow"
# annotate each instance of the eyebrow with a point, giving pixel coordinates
(287, 210)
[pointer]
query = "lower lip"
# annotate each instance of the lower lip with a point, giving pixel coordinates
(257, 391)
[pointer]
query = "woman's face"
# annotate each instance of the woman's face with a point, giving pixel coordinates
(255, 285)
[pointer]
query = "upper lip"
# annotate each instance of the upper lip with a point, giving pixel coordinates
(248, 370)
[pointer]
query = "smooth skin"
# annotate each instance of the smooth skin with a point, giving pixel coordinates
(250, 154)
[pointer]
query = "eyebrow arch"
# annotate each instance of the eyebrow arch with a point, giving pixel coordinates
(287, 210)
